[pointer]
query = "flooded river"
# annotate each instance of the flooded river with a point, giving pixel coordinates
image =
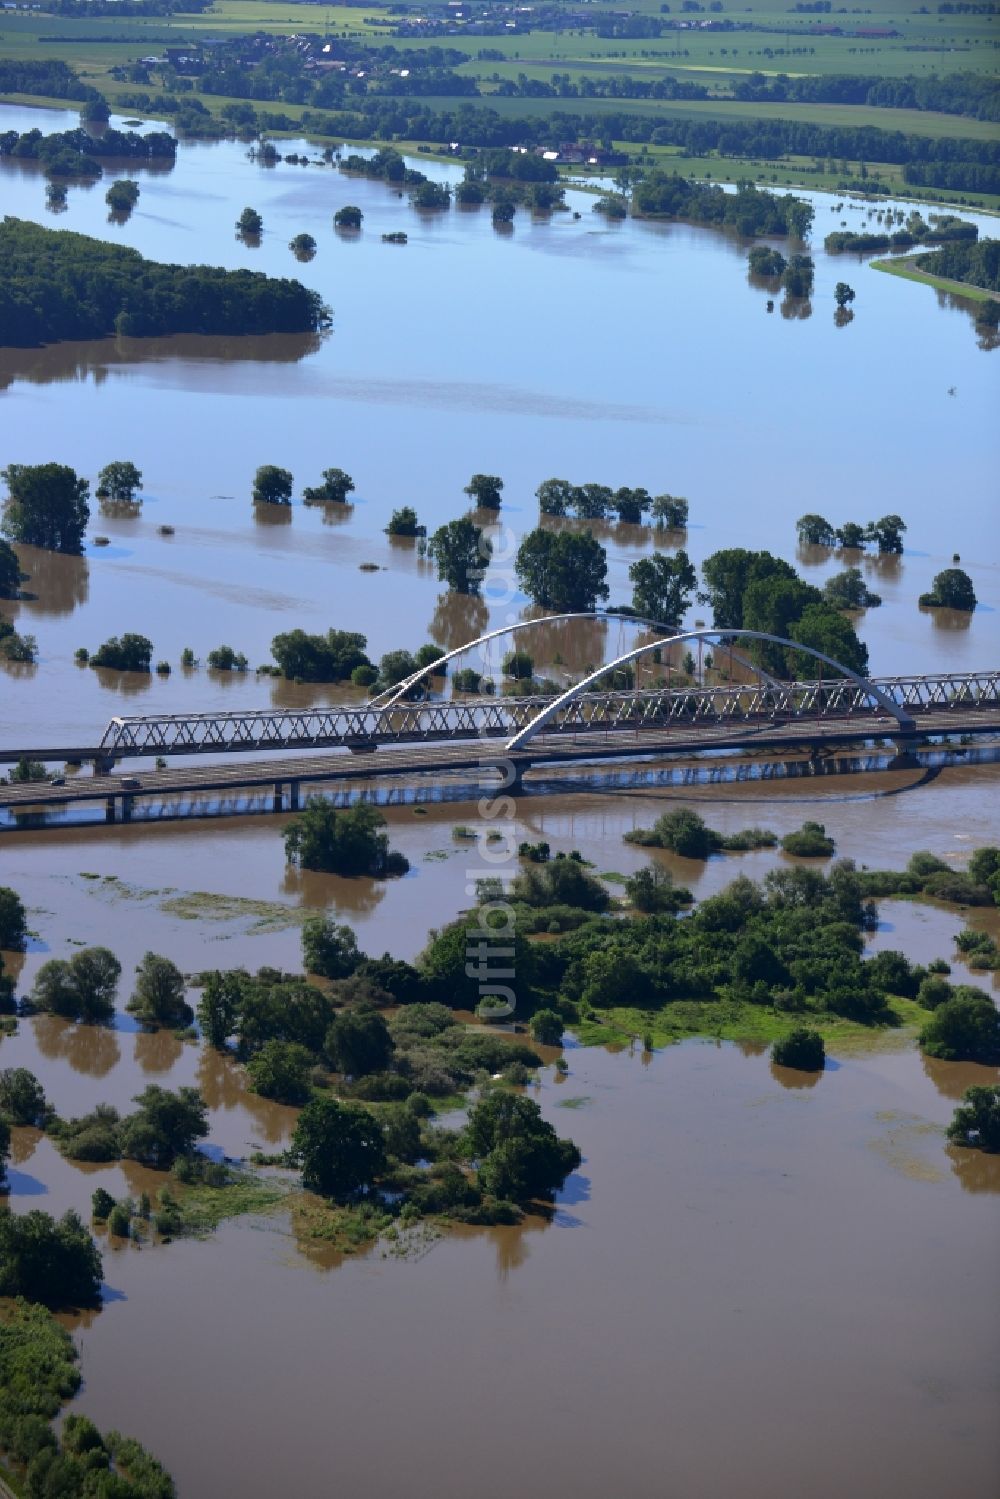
(758, 1282)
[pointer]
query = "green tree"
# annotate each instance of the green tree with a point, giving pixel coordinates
(303, 246)
(562, 572)
(802, 1049)
(250, 224)
(462, 553)
(843, 293)
(848, 590)
(670, 512)
(341, 842)
(727, 575)
(280, 1070)
(966, 1028)
(827, 631)
(404, 522)
(4, 1154)
(158, 998)
(22, 1098)
(851, 536)
(54, 1263)
(977, 1121)
(887, 533)
(520, 1155)
(128, 652)
(340, 1147)
(547, 1027)
(165, 1125)
(461, 965)
(952, 589)
(122, 195)
(329, 949)
(219, 1007)
(11, 576)
(358, 1042)
(486, 490)
(118, 483)
(518, 665)
(555, 496)
(272, 485)
(13, 923)
(80, 988)
(662, 587)
(319, 658)
(47, 506)
(336, 486)
(815, 531)
(348, 217)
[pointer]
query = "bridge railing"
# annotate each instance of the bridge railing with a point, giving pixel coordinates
(487, 717)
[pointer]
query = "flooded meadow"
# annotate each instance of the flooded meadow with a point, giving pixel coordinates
(759, 1281)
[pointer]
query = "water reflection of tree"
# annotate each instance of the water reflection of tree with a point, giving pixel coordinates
(954, 621)
(56, 584)
(157, 1051)
(796, 309)
(91, 1049)
(272, 515)
(842, 316)
(127, 683)
(574, 643)
(457, 619)
(977, 1170)
(792, 1078)
(93, 358)
(223, 1085)
(358, 896)
(951, 1079)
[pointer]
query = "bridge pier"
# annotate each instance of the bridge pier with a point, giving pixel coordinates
(109, 809)
(293, 796)
(278, 798)
(103, 764)
(127, 808)
(905, 757)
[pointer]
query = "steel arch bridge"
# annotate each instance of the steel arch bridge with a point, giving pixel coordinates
(895, 707)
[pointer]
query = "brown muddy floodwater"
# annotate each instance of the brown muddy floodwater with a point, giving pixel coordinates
(758, 1283)
(750, 1268)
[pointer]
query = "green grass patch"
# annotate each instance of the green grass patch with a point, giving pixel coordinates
(906, 269)
(203, 1208)
(729, 1020)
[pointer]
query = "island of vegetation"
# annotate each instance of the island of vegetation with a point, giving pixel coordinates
(56, 285)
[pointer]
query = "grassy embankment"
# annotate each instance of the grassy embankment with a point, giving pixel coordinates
(907, 268)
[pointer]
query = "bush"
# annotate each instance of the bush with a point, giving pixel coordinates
(13, 925)
(802, 1049)
(653, 890)
(54, 1263)
(965, 1028)
(977, 1121)
(280, 1070)
(547, 1027)
(22, 1098)
(809, 842)
(348, 842)
(129, 652)
(952, 589)
(158, 999)
(101, 1204)
(329, 949)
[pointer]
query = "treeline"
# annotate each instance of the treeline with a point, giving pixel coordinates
(977, 264)
(749, 210)
(955, 93)
(477, 126)
(75, 153)
(50, 79)
(958, 176)
(56, 285)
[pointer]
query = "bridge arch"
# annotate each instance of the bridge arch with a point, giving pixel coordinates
(553, 708)
(389, 696)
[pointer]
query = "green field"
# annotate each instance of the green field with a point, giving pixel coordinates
(928, 44)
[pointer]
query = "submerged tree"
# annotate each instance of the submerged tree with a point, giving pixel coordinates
(347, 842)
(336, 486)
(272, 485)
(118, 483)
(952, 589)
(47, 506)
(462, 553)
(486, 490)
(662, 587)
(562, 571)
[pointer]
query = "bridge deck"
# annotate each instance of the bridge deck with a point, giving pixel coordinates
(484, 755)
